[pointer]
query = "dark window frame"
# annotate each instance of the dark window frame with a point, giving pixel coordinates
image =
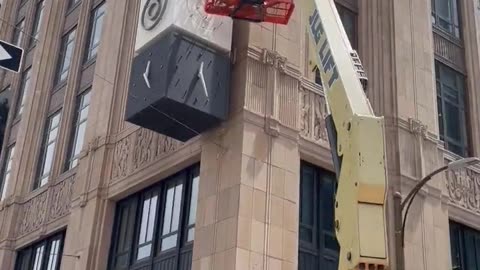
(73, 4)
(454, 22)
(25, 260)
(80, 106)
(46, 142)
(37, 23)
(128, 221)
(344, 10)
(91, 49)
(461, 237)
(6, 170)
(23, 92)
(66, 41)
(320, 250)
(18, 33)
(5, 106)
(446, 98)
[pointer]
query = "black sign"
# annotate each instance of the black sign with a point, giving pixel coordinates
(10, 56)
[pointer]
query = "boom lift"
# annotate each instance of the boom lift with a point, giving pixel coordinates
(356, 135)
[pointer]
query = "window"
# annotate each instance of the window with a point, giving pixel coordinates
(349, 21)
(465, 247)
(37, 23)
(445, 16)
(155, 228)
(24, 89)
(48, 149)
(78, 131)
(4, 110)
(318, 77)
(318, 247)
(451, 108)
(4, 181)
(65, 56)
(95, 31)
(72, 3)
(45, 255)
(18, 33)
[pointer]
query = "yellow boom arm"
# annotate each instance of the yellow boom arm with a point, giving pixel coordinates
(360, 143)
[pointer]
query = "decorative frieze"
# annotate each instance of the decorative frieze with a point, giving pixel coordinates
(464, 189)
(48, 206)
(139, 149)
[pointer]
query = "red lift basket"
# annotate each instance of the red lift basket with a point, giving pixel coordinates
(273, 11)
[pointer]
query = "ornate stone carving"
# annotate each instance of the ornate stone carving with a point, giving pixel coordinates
(60, 197)
(274, 59)
(464, 189)
(166, 145)
(34, 213)
(138, 150)
(320, 131)
(269, 57)
(144, 150)
(120, 158)
(305, 113)
(417, 127)
(48, 206)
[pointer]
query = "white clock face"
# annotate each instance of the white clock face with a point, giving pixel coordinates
(158, 17)
(197, 16)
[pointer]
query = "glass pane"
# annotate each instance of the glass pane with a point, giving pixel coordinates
(193, 201)
(38, 22)
(152, 218)
(191, 235)
(48, 159)
(38, 258)
(471, 262)
(176, 208)
(448, 77)
(80, 138)
(6, 176)
(84, 114)
(440, 118)
(86, 98)
(55, 120)
(306, 235)
(327, 198)
(443, 8)
(52, 135)
(98, 31)
(144, 251)
(454, 122)
(5, 186)
(18, 34)
(307, 197)
(169, 242)
(331, 242)
(168, 211)
(122, 231)
(143, 224)
(53, 258)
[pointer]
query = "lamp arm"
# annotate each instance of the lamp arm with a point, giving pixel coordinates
(411, 196)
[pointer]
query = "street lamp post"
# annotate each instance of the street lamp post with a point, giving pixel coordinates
(454, 165)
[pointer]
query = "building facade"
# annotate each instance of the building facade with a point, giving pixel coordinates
(83, 189)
